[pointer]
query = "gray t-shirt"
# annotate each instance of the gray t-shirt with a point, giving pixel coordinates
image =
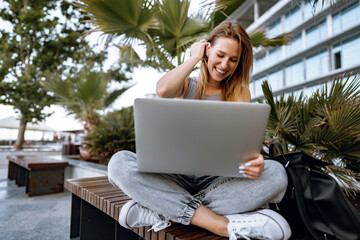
(191, 92)
(192, 182)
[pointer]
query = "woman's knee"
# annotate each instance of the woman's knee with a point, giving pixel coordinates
(120, 164)
(277, 174)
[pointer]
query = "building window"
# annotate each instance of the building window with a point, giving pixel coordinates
(310, 11)
(336, 24)
(257, 89)
(295, 93)
(294, 74)
(293, 19)
(294, 47)
(350, 17)
(316, 34)
(252, 88)
(274, 56)
(346, 54)
(309, 91)
(317, 65)
(276, 80)
(259, 64)
(337, 60)
(274, 30)
(346, 19)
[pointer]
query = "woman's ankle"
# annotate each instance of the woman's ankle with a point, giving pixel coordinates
(223, 230)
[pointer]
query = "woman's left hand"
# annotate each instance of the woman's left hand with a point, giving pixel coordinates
(253, 168)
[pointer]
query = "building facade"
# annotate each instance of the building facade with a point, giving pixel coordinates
(325, 43)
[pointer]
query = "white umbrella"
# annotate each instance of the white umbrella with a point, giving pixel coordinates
(13, 123)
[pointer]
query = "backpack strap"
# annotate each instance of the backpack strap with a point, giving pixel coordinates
(278, 146)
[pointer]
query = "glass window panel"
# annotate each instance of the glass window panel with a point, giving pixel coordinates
(308, 91)
(322, 31)
(257, 87)
(251, 89)
(294, 74)
(260, 64)
(312, 37)
(346, 54)
(309, 11)
(337, 48)
(336, 24)
(337, 59)
(346, 19)
(317, 65)
(276, 80)
(350, 53)
(350, 17)
(275, 56)
(294, 47)
(324, 62)
(293, 19)
(316, 34)
(295, 93)
(274, 30)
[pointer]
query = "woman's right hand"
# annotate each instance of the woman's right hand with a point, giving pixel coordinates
(198, 49)
(175, 82)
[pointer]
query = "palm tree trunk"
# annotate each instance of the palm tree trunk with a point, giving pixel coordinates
(20, 139)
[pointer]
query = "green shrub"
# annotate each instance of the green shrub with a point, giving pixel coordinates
(114, 133)
(325, 125)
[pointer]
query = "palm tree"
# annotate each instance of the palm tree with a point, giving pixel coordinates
(326, 125)
(164, 27)
(84, 95)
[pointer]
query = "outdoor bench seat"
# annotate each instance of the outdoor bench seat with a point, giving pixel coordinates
(95, 209)
(40, 175)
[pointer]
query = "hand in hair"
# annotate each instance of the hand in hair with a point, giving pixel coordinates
(198, 49)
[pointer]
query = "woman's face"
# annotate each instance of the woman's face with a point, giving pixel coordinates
(223, 57)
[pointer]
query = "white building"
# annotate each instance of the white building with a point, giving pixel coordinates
(325, 44)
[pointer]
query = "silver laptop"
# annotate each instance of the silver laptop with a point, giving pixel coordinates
(197, 137)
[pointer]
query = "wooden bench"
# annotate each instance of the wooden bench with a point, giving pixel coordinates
(40, 175)
(95, 209)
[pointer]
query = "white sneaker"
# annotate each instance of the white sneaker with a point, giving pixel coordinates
(132, 215)
(262, 224)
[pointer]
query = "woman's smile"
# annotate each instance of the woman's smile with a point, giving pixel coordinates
(223, 57)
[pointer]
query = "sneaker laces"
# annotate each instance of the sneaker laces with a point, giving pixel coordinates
(149, 218)
(242, 233)
(160, 225)
(251, 228)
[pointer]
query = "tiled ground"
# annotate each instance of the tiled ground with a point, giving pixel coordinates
(39, 217)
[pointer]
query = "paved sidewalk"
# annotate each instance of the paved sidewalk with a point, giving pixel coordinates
(39, 217)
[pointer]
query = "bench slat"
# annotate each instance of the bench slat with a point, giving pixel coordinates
(36, 162)
(99, 192)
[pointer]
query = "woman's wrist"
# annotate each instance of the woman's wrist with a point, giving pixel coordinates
(194, 60)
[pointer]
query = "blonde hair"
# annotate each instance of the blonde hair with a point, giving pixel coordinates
(233, 85)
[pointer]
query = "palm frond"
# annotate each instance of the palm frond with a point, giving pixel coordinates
(258, 38)
(345, 176)
(132, 19)
(128, 55)
(224, 8)
(112, 96)
(325, 125)
(178, 30)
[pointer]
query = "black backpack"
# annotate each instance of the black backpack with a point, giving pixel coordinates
(314, 204)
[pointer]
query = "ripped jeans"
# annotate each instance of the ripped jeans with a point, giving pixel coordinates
(176, 197)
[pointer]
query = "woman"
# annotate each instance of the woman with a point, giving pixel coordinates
(225, 206)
